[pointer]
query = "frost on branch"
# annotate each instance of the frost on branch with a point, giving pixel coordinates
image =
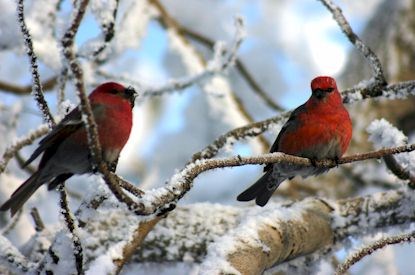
(384, 135)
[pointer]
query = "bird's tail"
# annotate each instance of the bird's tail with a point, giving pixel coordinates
(262, 189)
(22, 194)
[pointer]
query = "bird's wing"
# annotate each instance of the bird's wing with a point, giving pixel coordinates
(68, 125)
(291, 124)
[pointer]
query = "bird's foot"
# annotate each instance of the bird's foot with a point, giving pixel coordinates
(337, 161)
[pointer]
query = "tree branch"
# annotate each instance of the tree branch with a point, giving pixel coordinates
(19, 144)
(71, 226)
(368, 54)
(369, 249)
(37, 86)
(239, 65)
(182, 182)
(47, 85)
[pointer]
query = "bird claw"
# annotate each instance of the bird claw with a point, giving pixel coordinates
(337, 161)
(314, 162)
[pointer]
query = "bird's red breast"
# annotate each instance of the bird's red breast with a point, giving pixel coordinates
(318, 123)
(113, 115)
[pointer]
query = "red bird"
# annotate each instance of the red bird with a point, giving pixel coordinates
(320, 128)
(65, 149)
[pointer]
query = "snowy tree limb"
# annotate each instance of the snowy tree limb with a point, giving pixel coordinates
(252, 239)
(213, 233)
(37, 85)
(182, 182)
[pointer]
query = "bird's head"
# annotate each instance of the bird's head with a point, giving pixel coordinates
(323, 86)
(114, 89)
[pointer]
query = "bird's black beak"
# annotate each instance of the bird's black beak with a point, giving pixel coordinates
(319, 93)
(131, 95)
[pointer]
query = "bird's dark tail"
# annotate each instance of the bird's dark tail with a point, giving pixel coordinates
(22, 194)
(262, 189)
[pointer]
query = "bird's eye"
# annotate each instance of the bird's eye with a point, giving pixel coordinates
(329, 90)
(113, 91)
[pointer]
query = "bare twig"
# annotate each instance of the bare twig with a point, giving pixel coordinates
(369, 249)
(21, 161)
(135, 241)
(39, 225)
(37, 85)
(250, 130)
(47, 85)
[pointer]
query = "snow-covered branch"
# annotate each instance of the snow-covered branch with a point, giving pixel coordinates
(160, 199)
(223, 238)
(253, 239)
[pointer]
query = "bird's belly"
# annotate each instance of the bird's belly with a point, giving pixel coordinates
(326, 150)
(289, 170)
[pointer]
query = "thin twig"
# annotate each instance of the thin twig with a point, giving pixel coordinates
(12, 223)
(47, 85)
(19, 144)
(369, 249)
(240, 66)
(369, 55)
(21, 161)
(70, 224)
(250, 130)
(37, 85)
(39, 225)
(108, 31)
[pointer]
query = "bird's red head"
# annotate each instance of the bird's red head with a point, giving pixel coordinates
(114, 89)
(323, 83)
(323, 86)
